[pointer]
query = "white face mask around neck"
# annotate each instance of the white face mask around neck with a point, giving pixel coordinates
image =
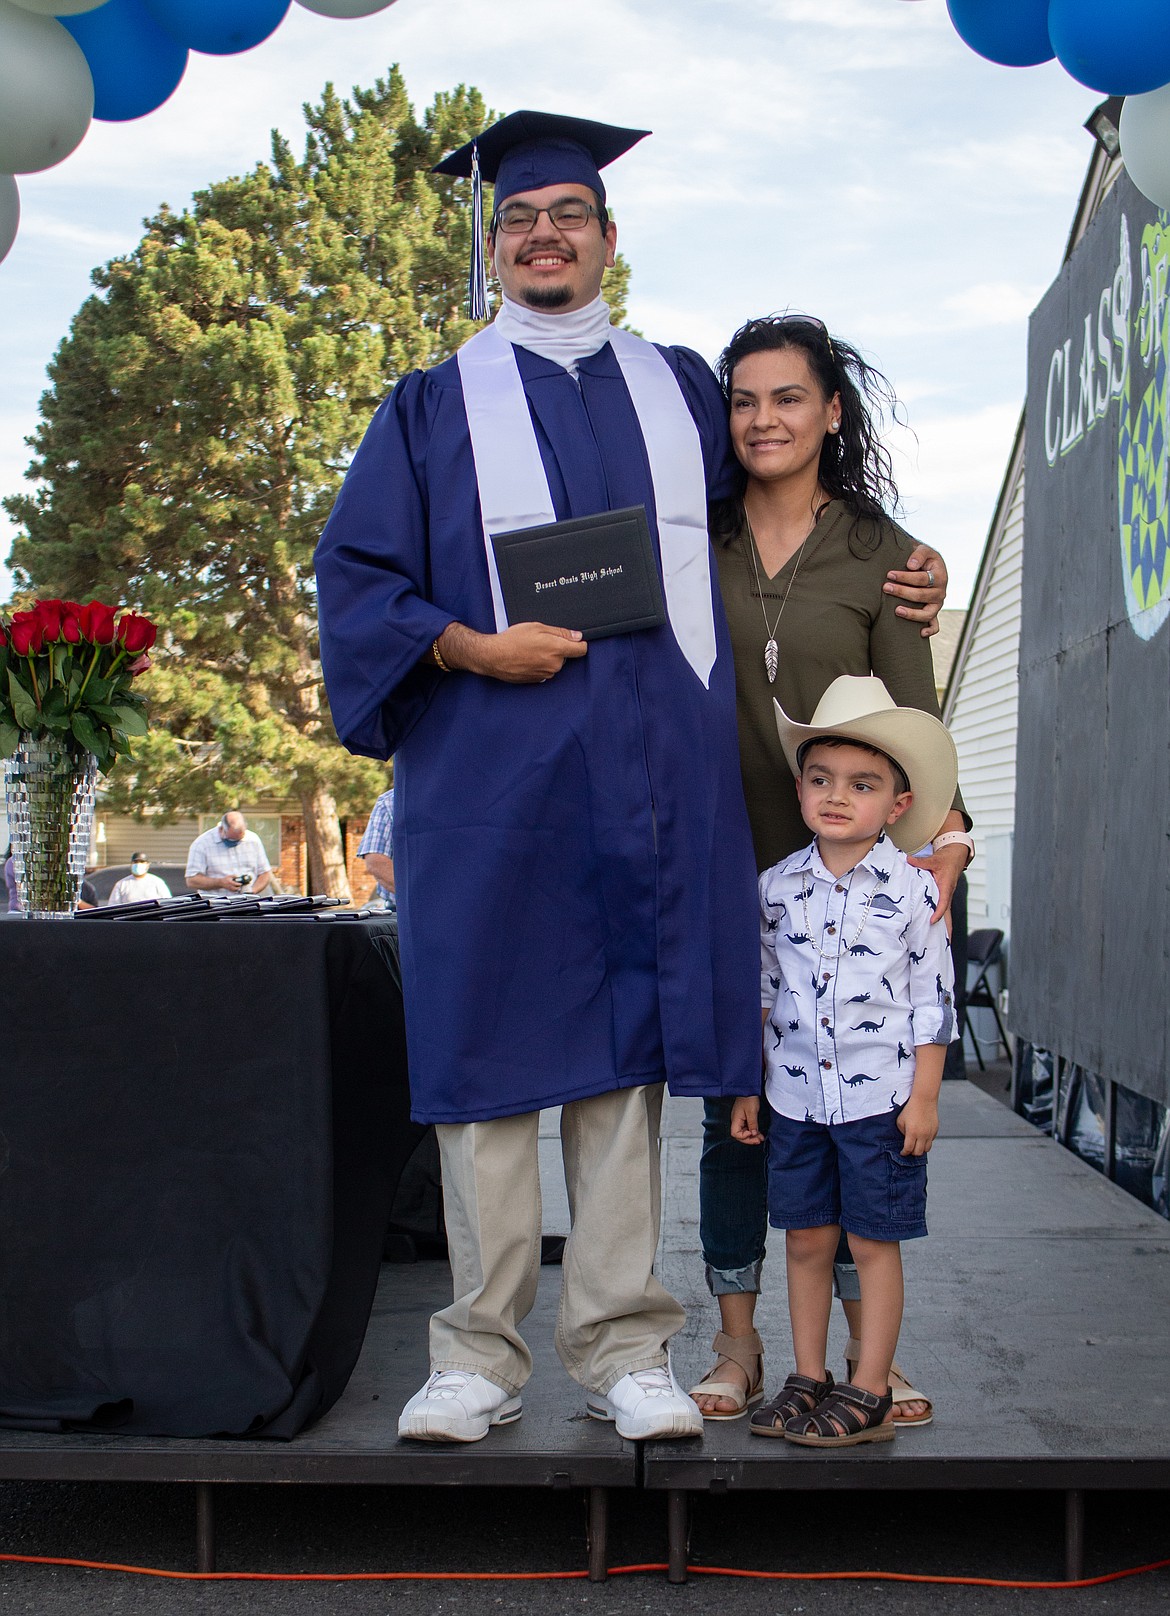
(563, 338)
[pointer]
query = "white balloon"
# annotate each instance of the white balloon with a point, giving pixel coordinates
(345, 8)
(46, 92)
(9, 213)
(1145, 143)
(58, 8)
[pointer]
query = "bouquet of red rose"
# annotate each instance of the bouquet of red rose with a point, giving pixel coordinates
(65, 674)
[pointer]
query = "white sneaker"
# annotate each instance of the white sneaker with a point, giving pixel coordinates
(456, 1406)
(648, 1403)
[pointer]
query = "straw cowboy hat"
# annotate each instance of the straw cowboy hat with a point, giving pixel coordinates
(862, 710)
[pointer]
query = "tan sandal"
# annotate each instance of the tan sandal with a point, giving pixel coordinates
(748, 1352)
(900, 1388)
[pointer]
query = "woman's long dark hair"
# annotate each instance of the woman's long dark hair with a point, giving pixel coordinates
(855, 465)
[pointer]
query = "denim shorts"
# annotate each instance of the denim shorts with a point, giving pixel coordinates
(850, 1173)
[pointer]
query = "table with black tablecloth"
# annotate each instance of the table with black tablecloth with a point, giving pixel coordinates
(201, 1129)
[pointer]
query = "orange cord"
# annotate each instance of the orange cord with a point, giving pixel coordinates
(910, 1576)
(565, 1576)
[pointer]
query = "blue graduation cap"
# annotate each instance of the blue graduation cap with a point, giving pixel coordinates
(525, 152)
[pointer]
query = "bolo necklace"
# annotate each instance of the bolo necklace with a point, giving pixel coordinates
(771, 650)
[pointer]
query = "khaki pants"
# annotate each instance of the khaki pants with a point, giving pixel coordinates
(614, 1316)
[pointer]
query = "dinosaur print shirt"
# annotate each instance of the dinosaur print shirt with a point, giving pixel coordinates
(853, 976)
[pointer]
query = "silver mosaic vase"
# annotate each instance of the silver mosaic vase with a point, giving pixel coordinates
(51, 788)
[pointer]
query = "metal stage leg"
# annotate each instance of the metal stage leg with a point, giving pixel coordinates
(1074, 1535)
(204, 1527)
(597, 1534)
(676, 1535)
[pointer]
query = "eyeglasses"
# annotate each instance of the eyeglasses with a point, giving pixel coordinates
(518, 218)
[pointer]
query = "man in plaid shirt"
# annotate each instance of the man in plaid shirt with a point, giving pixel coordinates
(377, 847)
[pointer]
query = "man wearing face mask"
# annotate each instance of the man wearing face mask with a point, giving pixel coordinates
(228, 858)
(139, 885)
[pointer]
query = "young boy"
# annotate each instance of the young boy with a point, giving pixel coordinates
(857, 990)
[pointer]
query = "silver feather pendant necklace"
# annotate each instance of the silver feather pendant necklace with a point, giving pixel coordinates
(771, 649)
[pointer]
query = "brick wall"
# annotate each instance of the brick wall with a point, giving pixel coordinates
(292, 853)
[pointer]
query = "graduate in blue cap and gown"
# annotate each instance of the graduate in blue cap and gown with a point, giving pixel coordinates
(574, 870)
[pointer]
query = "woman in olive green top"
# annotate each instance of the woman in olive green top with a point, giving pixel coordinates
(805, 556)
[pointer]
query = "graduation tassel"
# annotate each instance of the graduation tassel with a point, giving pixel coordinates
(477, 279)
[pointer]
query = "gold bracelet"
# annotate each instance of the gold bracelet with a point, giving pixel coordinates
(438, 656)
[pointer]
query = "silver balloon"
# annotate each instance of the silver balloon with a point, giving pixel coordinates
(46, 92)
(345, 8)
(58, 8)
(9, 213)
(1145, 143)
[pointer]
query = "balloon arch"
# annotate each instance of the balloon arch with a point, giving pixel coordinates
(64, 62)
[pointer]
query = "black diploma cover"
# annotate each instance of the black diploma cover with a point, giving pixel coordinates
(593, 573)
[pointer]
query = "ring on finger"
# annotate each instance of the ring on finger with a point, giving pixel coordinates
(930, 579)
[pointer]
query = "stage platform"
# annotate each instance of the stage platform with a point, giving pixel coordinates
(1036, 1319)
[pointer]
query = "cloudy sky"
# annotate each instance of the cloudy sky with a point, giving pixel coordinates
(848, 158)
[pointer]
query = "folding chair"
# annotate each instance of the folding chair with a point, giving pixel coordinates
(984, 949)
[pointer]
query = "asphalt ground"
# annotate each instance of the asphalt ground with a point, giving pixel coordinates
(331, 1529)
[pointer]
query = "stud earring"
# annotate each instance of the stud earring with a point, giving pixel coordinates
(834, 426)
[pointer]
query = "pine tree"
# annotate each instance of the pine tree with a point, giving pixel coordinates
(200, 417)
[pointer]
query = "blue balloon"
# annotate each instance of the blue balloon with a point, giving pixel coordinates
(1011, 32)
(219, 27)
(135, 64)
(1120, 47)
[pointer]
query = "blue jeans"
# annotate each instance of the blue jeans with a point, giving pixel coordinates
(733, 1209)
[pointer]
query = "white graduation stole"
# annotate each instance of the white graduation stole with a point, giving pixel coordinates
(514, 492)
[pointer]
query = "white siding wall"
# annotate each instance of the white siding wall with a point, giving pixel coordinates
(168, 844)
(982, 714)
(162, 844)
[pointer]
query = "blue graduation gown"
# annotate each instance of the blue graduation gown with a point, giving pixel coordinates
(576, 887)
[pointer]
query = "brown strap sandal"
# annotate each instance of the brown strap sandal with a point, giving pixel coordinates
(901, 1389)
(847, 1416)
(799, 1397)
(747, 1351)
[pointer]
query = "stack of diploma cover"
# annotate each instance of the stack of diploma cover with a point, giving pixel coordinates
(592, 573)
(214, 906)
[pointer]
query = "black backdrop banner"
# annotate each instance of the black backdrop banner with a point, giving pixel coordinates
(1091, 855)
